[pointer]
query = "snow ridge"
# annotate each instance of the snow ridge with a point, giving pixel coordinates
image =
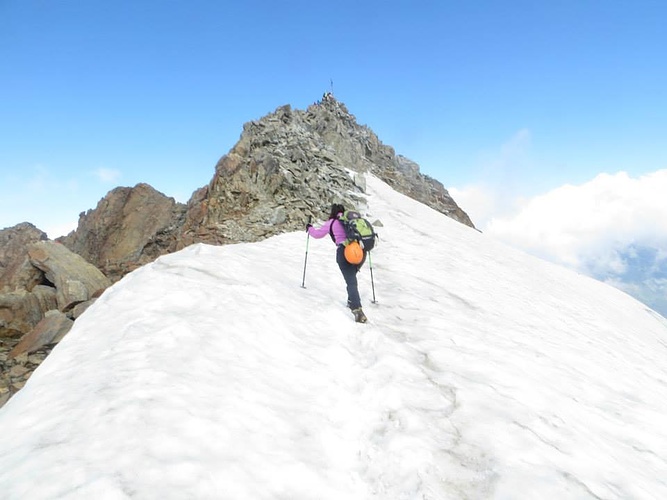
(482, 373)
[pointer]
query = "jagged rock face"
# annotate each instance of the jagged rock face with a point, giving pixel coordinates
(16, 273)
(50, 330)
(23, 299)
(359, 148)
(277, 175)
(21, 310)
(65, 280)
(406, 179)
(128, 228)
(33, 320)
(293, 164)
(16, 370)
(75, 280)
(286, 167)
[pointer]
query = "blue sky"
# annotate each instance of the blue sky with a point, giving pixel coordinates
(500, 101)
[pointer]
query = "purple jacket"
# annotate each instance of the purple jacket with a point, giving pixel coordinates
(323, 230)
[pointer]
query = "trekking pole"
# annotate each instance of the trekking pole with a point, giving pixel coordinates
(370, 264)
(305, 261)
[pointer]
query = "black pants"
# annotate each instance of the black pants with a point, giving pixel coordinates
(350, 274)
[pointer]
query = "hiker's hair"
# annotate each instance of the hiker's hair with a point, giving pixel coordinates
(336, 209)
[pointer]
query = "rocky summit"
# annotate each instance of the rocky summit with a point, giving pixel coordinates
(286, 168)
(291, 165)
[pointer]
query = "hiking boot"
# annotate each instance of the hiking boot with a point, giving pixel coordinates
(359, 315)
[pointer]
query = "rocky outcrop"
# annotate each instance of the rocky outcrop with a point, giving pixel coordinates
(286, 167)
(21, 310)
(277, 175)
(36, 313)
(50, 330)
(25, 294)
(293, 164)
(14, 372)
(405, 178)
(74, 279)
(359, 148)
(128, 228)
(16, 273)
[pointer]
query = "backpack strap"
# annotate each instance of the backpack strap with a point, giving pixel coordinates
(331, 230)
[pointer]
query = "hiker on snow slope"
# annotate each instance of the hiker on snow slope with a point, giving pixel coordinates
(334, 228)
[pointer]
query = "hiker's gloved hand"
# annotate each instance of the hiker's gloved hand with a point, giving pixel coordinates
(308, 226)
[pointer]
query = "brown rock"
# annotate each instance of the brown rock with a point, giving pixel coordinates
(21, 275)
(46, 297)
(128, 228)
(75, 279)
(293, 164)
(79, 309)
(51, 329)
(15, 269)
(20, 311)
(18, 371)
(286, 167)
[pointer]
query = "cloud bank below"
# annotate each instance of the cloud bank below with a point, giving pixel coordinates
(613, 228)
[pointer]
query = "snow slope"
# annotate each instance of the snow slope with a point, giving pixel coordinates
(482, 373)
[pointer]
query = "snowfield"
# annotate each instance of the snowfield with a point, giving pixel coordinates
(482, 373)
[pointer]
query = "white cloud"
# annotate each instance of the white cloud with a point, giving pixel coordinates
(479, 202)
(577, 225)
(613, 228)
(108, 175)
